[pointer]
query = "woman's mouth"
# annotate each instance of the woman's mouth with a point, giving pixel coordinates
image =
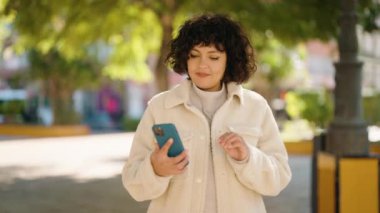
(202, 75)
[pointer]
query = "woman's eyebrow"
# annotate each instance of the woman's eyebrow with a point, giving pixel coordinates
(210, 51)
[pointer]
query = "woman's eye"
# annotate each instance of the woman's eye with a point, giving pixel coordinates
(193, 55)
(214, 58)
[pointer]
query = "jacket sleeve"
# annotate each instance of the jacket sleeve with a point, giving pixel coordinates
(267, 170)
(138, 175)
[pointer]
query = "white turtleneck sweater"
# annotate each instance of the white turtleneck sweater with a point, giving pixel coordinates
(208, 103)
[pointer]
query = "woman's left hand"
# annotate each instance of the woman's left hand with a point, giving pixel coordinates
(234, 146)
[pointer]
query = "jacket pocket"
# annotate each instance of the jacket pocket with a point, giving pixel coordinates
(186, 137)
(251, 135)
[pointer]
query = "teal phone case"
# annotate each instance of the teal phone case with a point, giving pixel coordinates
(163, 132)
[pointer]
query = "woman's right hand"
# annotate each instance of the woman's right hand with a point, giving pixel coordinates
(163, 165)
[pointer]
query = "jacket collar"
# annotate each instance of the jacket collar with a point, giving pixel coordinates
(180, 94)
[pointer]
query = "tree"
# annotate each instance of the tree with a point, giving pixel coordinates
(60, 77)
(120, 33)
(166, 12)
(274, 64)
(147, 26)
(130, 30)
(67, 41)
(133, 30)
(292, 21)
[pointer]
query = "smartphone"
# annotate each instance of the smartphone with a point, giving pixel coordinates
(163, 132)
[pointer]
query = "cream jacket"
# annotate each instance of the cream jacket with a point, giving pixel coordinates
(239, 186)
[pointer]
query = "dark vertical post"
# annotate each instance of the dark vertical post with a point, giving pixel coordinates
(347, 133)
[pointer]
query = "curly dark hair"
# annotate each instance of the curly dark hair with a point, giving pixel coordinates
(225, 34)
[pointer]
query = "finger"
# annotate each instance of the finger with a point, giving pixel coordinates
(222, 137)
(180, 157)
(224, 146)
(229, 139)
(228, 136)
(238, 144)
(234, 145)
(231, 136)
(166, 147)
(181, 165)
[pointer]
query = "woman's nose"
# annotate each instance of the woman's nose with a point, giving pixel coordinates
(202, 63)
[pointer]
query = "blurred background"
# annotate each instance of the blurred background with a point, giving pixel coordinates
(94, 64)
(98, 62)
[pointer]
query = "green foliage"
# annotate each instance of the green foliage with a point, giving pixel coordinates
(314, 106)
(127, 31)
(60, 77)
(317, 107)
(17, 81)
(128, 59)
(371, 109)
(11, 111)
(12, 107)
(132, 30)
(124, 32)
(293, 20)
(71, 73)
(370, 11)
(130, 124)
(274, 58)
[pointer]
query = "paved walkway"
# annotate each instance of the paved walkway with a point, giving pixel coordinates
(82, 174)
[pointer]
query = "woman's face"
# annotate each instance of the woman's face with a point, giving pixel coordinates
(206, 66)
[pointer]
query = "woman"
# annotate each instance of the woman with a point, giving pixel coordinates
(234, 154)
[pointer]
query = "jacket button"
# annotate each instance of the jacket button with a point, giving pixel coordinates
(198, 180)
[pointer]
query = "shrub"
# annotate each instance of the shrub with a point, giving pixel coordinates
(314, 106)
(130, 124)
(371, 109)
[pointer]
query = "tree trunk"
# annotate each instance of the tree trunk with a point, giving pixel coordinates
(62, 104)
(161, 71)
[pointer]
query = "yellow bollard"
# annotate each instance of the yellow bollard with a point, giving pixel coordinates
(326, 177)
(359, 185)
